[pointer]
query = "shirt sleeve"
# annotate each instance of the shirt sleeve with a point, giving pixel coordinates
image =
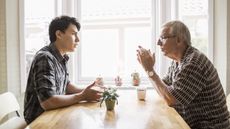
(44, 77)
(187, 84)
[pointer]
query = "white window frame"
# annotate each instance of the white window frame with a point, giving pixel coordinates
(211, 30)
(22, 46)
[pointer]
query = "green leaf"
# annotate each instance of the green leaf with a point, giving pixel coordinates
(102, 101)
(109, 94)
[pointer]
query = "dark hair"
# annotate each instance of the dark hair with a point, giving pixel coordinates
(61, 23)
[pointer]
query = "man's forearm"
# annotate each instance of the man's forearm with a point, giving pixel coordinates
(58, 101)
(161, 88)
(71, 89)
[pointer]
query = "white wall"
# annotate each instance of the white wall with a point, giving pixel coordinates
(12, 44)
(3, 82)
(9, 47)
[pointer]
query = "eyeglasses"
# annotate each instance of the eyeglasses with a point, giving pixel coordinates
(164, 38)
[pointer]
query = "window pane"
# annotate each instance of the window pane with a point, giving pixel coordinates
(99, 52)
(36, 26)
(111, 32)
(110, 9)
(134, 37)
(195, 15)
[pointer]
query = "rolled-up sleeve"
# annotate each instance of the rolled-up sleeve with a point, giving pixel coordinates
(187, 84)
(44, 77)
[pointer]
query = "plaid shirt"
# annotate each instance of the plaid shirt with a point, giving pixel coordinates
(48, 76)
(199, 95)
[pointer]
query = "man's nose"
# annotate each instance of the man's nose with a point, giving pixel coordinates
(77, 39)
(159, 42)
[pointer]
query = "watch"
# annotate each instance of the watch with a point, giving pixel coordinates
(150, 73)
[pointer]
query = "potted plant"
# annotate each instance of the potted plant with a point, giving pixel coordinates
(110, 98)
(136, 79)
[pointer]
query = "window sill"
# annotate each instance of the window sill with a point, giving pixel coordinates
(124, 87)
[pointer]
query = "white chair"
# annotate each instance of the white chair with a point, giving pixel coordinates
(10, 104)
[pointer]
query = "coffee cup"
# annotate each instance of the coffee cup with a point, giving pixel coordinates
(141, 93)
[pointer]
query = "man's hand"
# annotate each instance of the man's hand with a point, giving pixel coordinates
(57, 101)
(90, 94)
(145, 58)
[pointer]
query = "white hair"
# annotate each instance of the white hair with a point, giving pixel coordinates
(180, 30)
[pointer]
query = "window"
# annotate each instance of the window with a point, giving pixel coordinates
(111, 32)
(195, 14)
(36, 24)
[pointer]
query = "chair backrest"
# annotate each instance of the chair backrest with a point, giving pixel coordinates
(9, 104)
(14, 123)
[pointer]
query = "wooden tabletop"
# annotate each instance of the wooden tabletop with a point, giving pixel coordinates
(130, 113)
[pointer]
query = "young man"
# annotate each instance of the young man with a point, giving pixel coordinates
(48, 85)
(192, 85)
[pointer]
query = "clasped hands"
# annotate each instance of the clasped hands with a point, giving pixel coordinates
(145, 58)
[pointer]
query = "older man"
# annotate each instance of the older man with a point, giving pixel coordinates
(192, 85)
(48, 85)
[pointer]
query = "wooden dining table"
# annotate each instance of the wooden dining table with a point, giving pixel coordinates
(130, 113)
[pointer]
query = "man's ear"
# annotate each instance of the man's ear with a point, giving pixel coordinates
(58, 34)
(178, 39)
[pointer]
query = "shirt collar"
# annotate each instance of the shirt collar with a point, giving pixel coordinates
(187, 52)
(57, 53)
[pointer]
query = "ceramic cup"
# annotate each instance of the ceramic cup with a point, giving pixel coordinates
(141, 93)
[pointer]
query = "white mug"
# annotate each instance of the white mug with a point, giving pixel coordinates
(141, 93)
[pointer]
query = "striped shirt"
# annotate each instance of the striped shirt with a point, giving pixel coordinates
(48, 76)
(199, 95)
